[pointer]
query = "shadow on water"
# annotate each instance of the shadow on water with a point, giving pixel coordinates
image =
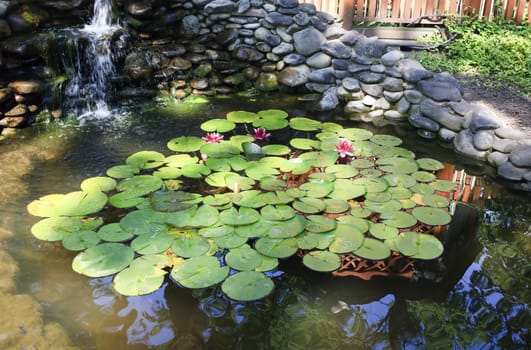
(480, 301)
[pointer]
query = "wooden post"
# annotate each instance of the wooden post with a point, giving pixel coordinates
(348, 14)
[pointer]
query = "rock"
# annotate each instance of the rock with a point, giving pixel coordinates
(323, 76)
(392, 84)
(329, 101)
(368, 100)
(308, 41)
(418, 121)
(294, 59)
(337, 49)
(521, 156)
(510, 172)
(446, 135)
(504, 145)
(334, 31)
(464, 144)
(484, 118)
(484, 140)
(374, 90)
(26, 19)
(294, 75)
(19, 110)
(199, 83)
(403, 105)
(25, 87)
(394, 115)
(382, 103)
(318, 24)
(370, 47)
(227, 37)
(5, 94)
(319, 87)
(301, 19)
(461, 107)
(339, 64)
(390, 58)
(441, 115)
(278, 19)
(267, 82)
(265, 35)
(412, 71)
(220, 6)
(349, 38)
(319, 60)
(510, 133)
(393, 97)
(247, 53)
(497, 158)
(356, 68)
(139, 8)
(180, 64)
(283, 49)
(356, 107)
(12, 122)
(413, 96)
(439, 90)
(190, 27)
(351, 84)
(371, 78)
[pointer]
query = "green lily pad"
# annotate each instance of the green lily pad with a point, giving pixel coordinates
(152, 243)
(277, 212)
(386, 140)
(122, 171)
(429, 247)
(397, 165)
(296, 166)
(138, 281)
(146, 159)
(276, 247)
(276, 150)
(218, 164)
(56, 228)
(432, 216)
(372, 184)
(168, 201)
(199, 272)
(277, 197)
(342, 171)
(238, 140)
(237, 183)
(103, 259)
(180, 160)
(247, 286)
(362, 163)
(402, 180)
(355, 134)
(253, 151)
(77, 203)
(273, 161)
(216, 231)
(216, 200)
(98, 183)
(317, 188)
(223, 149)
(272, 183)
(219, 125)
(195, 171)
(371, 172)
(422, 188)
(322, 261)
(383, 231)
(307, 240)
(423, 176)
(331, 127)
(242, 116)
(296, 192)
(259, 228)
(304, 124)
(167, 172)
(235, 217)
(140, 185)
(430, 164)
(443, 185)
(80, 240)
(185, 144)
(189, 244)
(361, 224)
(347, 238)
(361, 212)
(345, 189)
(309, 205)
(202, 216)
(336, 206)
(319, 223)
(287, 228)
(382, 207)
(250, 199)
(399, 193)
(273, 113)
(230, 241)
(237, 163)
(268, 264)
(434, 200)
(217, 179)
(408, 204)
(407, 243)
(144, 221)
(114, 232)
(398, 219)
(321, 159)
(256, 170)
(329, 141)
(304, 144)
(379, 196)
(126, 199)
(373, 249)
(271, 123)
(243, 258)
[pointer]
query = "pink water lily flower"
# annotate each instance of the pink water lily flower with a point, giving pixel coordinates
(260, 134)
(344, 148)
(213, 137)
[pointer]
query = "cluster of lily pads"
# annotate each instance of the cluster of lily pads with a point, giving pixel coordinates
(226, 207)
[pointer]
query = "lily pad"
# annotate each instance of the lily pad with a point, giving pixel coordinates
(386, 140)
(429, 247)
(230, 241)
(126, 199)
(423, 176)
(399, 193)
(250, 199)
(296, 166)
(217, 179)
(243, 258)
(259, 228)
(98, 183)
(168, 201)
(379, 196)
(122, 171)
(372, 184)
(140, 185)
(304, 144)
(167, 173)
(247, 286)
(276, 150)
(218, 125)
(345, 189)
(331, 127)
(195, 171)
(242, 116)
(144, 221)
(224, 149)
(355, 134)
(309, 205)
(336, 206)
(277, 197)
(216, 231)
(180, 160)
(276, 247)
(422, 188)
(430, 164)
(273, 113)
(286, 229)
(443, 185)
(235, 217)
(138, 281)
(152, 243)
(321, 159)
(317, 188)
(56, 228)
(256, 170)
(342, 171)
(304, 124)
(322, 261)
(199, 272)
(253, 151)
(218, 164)
(103, 260)
(407, 243)
(237, 183)
(77, 203)
(189, 244)
(80, 240)
(399, 219)
(382, 207)
(185, 144)
(432, 216)
(383, 231)
(402, 180)
(373, 249)
(434, 200)
(216, 200)
(202, 216)
(359, 223)
(362, 163)
(272, 183)
(319, 223)
(271, 123)
(268, 264)
(361, 212)
(277, 212)
(239, 140)
(397, 165)
(347, 238)
(146, 159)
(114, 232)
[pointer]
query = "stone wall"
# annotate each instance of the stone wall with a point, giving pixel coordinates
(222, 46)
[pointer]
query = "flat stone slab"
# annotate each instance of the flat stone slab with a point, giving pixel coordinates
(464, 144)
(521, 156)
(511, 133)
(441, 115)
(510, 172)
(439, 90)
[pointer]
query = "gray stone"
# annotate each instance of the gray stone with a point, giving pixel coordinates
(393, 84)
(309, 8)
(323, 76)
(24, 87)
(334, 31)
(446, 135)
(484, 119)
(288, 3)
(319, 60)
(351, 84)
(510, 133)
(265, 35)
(378, 68)
(441, 115)
(418, 121)
(370, 77)
(263, 47)
(301, 19)
(393, 72)
(227, 37)
(340, 64)
(267, 82)
(390, 58)
(318, 24)
(283, 34)
(461, 107)
(247, 53)
(373, 115)
(464, 144)
(294, 59)
(521, 156)
(382, 103)
(278, 19)
(308, 41)
(329, 101)
(356, 68)
(412, 71)
(510, 172)
(283, 49)
(374, 90)
(483, 140)
(356, 107)
(370, 47)
(318, 87)
(337, 49)
(394, 115)
(403, 105)
(368, 101)
(189, 27)
(340, 74)
(294, 76)
(527, 176)
(220, 6)
(497, 158)
(504, 145)
(439, 90)
(393, 97)
(243, 5)
(350, 37)
(413, 96)
(361, 60)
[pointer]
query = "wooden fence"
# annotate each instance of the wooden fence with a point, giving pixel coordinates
(408, 11)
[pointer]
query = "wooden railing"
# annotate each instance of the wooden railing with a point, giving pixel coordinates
(408, 11)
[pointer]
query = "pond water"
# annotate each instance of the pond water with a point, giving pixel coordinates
(480, 301)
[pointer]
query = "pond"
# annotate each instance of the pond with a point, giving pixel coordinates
(480, 298)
